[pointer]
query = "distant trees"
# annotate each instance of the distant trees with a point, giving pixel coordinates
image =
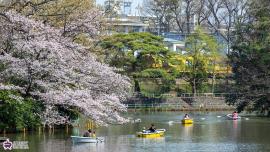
(218, 17)
(224, 15)
(203, 52)
(134, 52)
(250, 60)
(140, 55)
(164, 80)
(182, 16)
(160, 15)
(143, 55)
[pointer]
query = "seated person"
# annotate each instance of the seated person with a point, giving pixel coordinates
(152, 128)
(186, 116)
(235, 114)
(94, 134)
(88, 133)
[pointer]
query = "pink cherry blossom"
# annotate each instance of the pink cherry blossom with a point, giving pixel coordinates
(40, 62)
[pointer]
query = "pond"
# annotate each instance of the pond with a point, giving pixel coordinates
(210, 132)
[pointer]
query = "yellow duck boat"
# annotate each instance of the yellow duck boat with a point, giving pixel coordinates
(148, 134)
(187, 121)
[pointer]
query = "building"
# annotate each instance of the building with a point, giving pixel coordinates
(120, 7)
(121, 18)
(175, 45)
(128, 7)
(126, 25)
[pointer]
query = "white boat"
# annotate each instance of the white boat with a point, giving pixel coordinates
(2, 139)
(229, 116)
(80, 139)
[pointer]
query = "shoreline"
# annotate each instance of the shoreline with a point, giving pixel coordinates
(205, 103)
(178, 109)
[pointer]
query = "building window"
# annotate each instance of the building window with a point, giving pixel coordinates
(136, 29)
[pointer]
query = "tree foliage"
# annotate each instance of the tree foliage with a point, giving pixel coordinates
(250, 59)
(200, 49)
(140, 55)
(165, 81)
(135, 51)
(39, 61)
(78, 19)
(18, 112)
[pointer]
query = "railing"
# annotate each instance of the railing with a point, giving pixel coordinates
(180, 106)
(183, 95)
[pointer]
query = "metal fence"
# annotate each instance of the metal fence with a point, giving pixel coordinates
(184, 95)
(180, 106)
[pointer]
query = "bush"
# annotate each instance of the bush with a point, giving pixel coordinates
(166, 83)
(17, 112)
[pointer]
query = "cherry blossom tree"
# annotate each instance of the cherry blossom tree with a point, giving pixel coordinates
(40, 61)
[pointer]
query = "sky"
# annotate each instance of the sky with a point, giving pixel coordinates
(134, 5)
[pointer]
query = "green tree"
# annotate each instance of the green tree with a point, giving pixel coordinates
(18, 112)
(135, 53)
(202, 51)
(161, 77)
(250, 60)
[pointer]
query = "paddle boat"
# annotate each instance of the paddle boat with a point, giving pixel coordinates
(80, 139)
(187, 121)
(187, 125)
(230, 117)
(149, 134)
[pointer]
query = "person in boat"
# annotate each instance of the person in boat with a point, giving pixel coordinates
(152, 128)
(235, 115)
(94, 134)
(186, 116)
(88, 133)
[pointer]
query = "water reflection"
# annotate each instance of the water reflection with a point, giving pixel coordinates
(235, 122)
(187, 131)
(149, 141)
(85, 147)
(211, 134)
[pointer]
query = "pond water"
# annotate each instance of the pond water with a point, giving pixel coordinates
(211, 132)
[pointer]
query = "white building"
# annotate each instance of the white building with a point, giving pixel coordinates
(127, 24)
(122, 18)
(128, 7)
(175, 45)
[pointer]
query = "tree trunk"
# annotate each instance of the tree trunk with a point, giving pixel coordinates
(194, 89)
(188, 16)
(213, 82)
(136, 86)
